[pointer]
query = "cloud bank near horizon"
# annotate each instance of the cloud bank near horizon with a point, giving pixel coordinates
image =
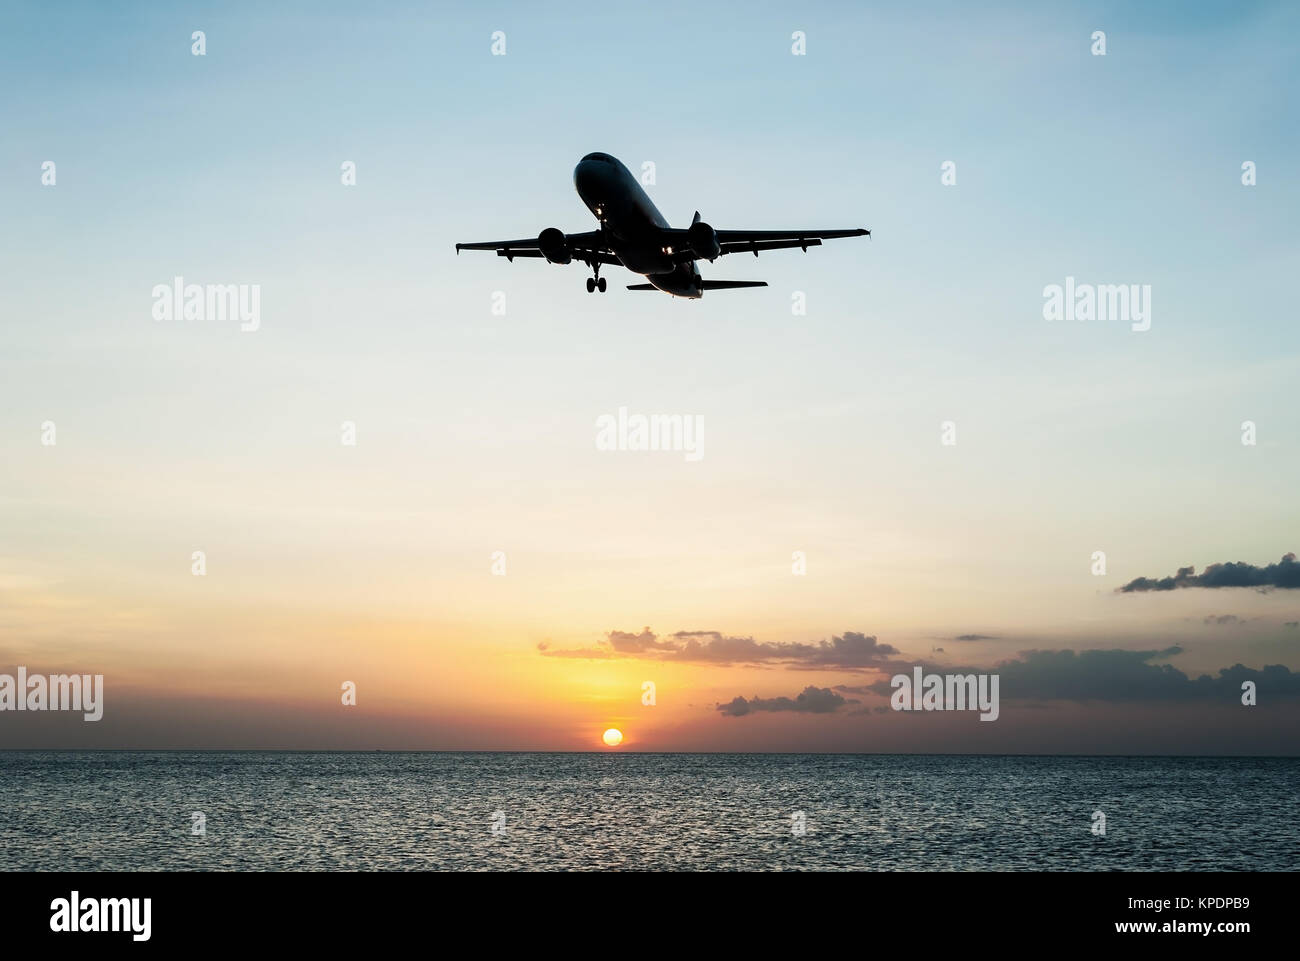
(1112, 676)
(1285, 574)
(812, 700)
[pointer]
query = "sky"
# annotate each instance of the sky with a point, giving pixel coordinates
(373, 563)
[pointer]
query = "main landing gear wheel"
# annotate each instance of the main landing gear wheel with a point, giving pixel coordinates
(600, 285)
(591, 285)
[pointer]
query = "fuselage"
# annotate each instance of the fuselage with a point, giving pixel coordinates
(633, 224)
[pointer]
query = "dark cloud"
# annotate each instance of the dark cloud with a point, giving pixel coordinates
(1284, 574)
(813, 700)
(852, 651)
(1111, 675)
(856, 689)
(976, 637)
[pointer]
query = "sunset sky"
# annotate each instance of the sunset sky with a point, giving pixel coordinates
(475, 432)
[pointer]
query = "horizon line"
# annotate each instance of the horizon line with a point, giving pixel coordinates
(378, 750)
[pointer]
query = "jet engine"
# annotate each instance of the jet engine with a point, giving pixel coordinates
(553, 246)
(703, 240)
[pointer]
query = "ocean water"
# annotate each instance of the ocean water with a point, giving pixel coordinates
(263, 811)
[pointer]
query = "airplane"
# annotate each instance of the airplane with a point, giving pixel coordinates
(635, 235)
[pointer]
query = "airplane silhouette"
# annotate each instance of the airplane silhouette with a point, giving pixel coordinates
(634, 234)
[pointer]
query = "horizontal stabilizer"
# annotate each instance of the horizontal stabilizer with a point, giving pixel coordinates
(709, 285)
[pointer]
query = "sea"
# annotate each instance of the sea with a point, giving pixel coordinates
(414, 811)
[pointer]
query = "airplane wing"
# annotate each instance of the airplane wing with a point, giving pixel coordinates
(752, 241)
(588, 246)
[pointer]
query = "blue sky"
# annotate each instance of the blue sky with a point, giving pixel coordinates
(823, 429)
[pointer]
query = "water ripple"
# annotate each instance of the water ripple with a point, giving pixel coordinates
(106, 811)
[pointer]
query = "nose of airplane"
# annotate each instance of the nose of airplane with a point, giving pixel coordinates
(585, 176)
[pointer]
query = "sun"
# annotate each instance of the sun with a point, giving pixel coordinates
(613, 737)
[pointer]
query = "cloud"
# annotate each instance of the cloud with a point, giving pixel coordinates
(976, 637)
(580, 653)
(1223, 619)
(625, 643)
(1111, 675)
(853, 651)
(1284, 574)
(813, 700)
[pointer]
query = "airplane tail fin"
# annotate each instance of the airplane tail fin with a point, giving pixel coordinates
(696, 219)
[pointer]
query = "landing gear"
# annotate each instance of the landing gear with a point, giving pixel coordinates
(600, 285)
(591, 285)
(597, 282)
